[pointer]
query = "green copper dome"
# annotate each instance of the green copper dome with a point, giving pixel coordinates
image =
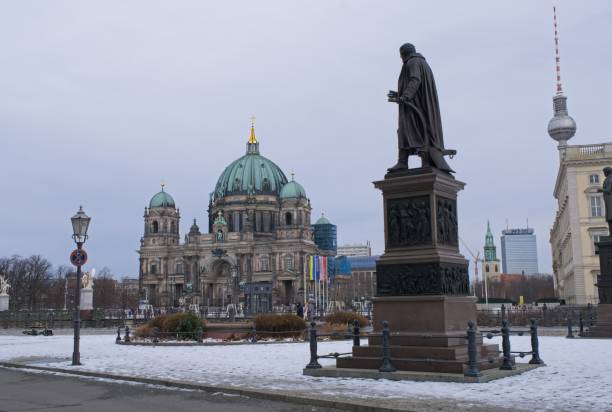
(292, 190)
(251, 174)
(323, 221)
(161, 199)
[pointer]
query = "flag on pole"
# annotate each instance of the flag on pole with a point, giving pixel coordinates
(324, 275)
(311, 268)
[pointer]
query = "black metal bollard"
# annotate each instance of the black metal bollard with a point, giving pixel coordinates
(356, 330)
(503, 312)
(472, 352)
(570, 332)
(535, 344)
(314, 363)
(118, 339)
(507, 363)
(155, 335)
(253, 334)
(126, 338)
(386, 350)
(581, 324)
(199, 334)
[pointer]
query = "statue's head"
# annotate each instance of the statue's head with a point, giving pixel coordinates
(407, 50)
(607, 171)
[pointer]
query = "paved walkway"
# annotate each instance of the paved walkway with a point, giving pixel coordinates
(22, 391)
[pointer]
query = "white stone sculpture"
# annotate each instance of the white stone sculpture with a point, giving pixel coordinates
(88, 279)
(4, 286)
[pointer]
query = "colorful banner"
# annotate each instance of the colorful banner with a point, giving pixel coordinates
(311, 268)
(324, 274)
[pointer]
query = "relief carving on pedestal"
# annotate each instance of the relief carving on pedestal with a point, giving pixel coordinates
(446, 216)
(409, 221)
(422, 279)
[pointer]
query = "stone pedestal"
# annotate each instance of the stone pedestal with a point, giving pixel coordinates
(4, 302)
(603, 327)
(87, 299)
(422, 282)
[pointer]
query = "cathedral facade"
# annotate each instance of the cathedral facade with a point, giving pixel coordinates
(255, 249)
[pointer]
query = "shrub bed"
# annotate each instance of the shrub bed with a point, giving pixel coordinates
(346, 318)
(181, 325)
(280, 326)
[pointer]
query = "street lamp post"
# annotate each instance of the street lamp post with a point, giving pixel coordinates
(80, 223)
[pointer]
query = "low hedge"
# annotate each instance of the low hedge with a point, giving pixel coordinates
(288, 325)
(346, 318)
(183, 325)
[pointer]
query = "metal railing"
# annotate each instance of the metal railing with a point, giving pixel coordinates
(472, 346)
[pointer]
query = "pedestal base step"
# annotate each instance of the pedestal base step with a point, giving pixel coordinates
(459, 353)
(414, 364)
(487, 375)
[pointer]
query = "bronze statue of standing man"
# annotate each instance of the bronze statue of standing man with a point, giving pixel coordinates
(607, 196)
(420, 126)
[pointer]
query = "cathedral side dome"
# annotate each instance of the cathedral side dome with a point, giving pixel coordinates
(252, 174)
(162, 199)
(293, 190)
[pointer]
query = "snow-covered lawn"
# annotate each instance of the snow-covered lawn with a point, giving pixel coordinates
(578, 375)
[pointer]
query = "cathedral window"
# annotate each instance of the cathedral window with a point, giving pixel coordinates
(155, 226)
(179, 268)
(172, 227)
(487, 268)
(153, 269)
(288, 219)
(593, 179)
(266, 185)
(289, 262)
(496, 269)
(264, 264)
(595, 206)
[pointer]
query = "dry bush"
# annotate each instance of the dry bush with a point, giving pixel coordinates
(143, 331)
(185, 324)
(287, 325)
(335, 328)
(346, 318)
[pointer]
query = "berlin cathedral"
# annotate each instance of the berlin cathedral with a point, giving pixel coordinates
(255, 250)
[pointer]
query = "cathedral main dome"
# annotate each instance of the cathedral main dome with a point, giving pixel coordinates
(252, 174)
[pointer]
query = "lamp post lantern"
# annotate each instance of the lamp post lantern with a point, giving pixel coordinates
(78, 257)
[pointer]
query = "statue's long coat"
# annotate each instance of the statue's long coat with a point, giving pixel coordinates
(416, 88)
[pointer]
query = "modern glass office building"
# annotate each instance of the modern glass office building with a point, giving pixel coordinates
(519, 251)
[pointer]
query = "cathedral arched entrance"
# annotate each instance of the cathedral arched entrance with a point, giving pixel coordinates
(220, 285)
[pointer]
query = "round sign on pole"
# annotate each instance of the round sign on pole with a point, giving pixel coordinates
(78, 257)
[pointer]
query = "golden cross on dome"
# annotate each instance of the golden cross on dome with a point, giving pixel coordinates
(252, 139)
(163, 184)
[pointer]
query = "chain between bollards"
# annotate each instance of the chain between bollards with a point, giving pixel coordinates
(386, 350)
(472, 352)
(535, 344)
(314, 363)
(356, 339)
(507, 363)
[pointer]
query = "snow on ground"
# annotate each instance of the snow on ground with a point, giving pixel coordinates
(577, 376)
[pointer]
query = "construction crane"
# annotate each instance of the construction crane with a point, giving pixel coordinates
(477, 260)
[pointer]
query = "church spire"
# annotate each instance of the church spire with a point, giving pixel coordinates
(561, 127)
(490, 250)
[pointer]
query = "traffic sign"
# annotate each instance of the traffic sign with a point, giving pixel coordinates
(78, 257)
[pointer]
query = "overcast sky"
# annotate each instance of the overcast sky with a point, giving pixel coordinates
(100, 102)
